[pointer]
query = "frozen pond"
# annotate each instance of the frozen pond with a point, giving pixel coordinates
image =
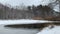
(4, 30)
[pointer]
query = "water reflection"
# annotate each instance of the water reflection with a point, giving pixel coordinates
(32, 26)
(8, 30)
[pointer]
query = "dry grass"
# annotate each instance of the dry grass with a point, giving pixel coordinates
(51, 18)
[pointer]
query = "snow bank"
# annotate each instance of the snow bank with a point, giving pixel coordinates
(23, 21)
(47, 30)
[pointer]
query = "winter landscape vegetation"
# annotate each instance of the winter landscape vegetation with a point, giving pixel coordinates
(29, 17)
(38, 12)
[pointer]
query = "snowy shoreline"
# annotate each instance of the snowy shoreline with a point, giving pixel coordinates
(47, 30)
(25, 21)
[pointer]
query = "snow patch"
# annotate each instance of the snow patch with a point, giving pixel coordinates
(23, 21)
(47, 30)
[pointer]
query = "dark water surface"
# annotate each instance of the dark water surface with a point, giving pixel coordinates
(7, 30)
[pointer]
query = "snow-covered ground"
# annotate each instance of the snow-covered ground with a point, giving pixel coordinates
(23, 21)
(47, 30)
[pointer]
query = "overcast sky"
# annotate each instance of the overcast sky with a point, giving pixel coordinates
(26, 2)
(29, 2)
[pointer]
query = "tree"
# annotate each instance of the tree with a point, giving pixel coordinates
(44, 10)
(55, 6)
(29, 7)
